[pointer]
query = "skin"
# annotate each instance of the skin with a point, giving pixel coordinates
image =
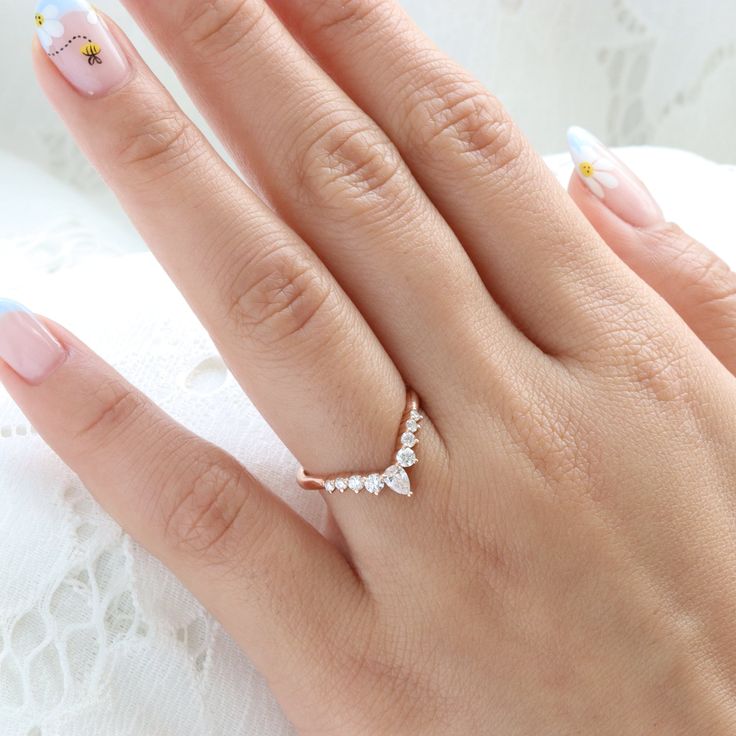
(566, 565)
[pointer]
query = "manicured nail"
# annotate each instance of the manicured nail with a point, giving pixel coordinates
(77, 40)
(26, 345)
(611, 180)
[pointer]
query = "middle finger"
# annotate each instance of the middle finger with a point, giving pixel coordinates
(337, 179)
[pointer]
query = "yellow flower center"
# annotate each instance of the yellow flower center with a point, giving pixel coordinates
(40, 20)
(586, 168)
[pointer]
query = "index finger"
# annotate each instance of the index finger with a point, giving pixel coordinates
(277, 586)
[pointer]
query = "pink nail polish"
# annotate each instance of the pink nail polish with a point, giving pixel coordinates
(611, 180)
(26, 345)
(77, 40)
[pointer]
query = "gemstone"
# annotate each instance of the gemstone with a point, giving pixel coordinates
(355, 483)
(415, 415)
(406, 457)
(341, 484)
(411, 425)
(330, 486)
(397, 480)
(408, 439)
(374, 483)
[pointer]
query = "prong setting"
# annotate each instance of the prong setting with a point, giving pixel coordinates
(394, 477)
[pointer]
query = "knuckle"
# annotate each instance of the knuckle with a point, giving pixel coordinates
(278, 298)
(452, 114)
(215, 27)
(333, 17)
(708, 277)
(350, 160)
(111, 407)
(654, 359)
(555, 435)
(161, 144)
(213, 516)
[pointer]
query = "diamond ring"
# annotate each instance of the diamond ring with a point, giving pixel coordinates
(394, 477)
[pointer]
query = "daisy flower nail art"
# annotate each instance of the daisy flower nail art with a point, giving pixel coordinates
(611, 180)
(592, 164)
(48, 25)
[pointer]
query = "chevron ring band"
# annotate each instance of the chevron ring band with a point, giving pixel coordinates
(393, 477)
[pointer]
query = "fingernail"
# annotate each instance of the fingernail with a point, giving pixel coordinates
(26, 345)
(77, 40)
(611, 180)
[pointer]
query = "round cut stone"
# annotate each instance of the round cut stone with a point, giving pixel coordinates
(415, 415)
(330, 486)
(373, 483)
(408, 439)
(406, 457)
(341, 484)
(412, 425)
(355, 483)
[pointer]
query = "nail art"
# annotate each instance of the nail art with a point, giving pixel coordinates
(79, 42)
(611, 180)
(26, 345)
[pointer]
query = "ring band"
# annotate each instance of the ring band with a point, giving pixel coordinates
(394, 477)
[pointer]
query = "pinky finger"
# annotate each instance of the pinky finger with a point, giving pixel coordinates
(694, 280)
(270, 578)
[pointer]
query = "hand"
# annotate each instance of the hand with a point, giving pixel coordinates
(566, 563)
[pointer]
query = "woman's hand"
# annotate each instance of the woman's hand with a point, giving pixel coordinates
(567, 562)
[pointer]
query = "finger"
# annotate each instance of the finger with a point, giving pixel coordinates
(336, 178)
(269, 577)
(694, 280)
(538, 257)
(286, 330)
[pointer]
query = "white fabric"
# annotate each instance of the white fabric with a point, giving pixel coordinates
(96, 637)
(632, 71)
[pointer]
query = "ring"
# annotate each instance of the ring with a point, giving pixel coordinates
(395, 476)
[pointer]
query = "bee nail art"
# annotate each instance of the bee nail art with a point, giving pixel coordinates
(80, 44)
(611, 180)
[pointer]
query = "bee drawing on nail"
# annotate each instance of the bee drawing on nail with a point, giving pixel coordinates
(92, 52)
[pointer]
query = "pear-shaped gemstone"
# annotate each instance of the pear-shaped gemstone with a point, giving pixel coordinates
(397, 480)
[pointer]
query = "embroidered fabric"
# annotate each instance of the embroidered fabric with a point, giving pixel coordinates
(96, 636)
(631, 71)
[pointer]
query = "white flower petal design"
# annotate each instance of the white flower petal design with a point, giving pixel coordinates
(45, 39)
(587, 153)
(604, 164)
(92, 17)
(53, 28)
(50, 11)
(608, 180)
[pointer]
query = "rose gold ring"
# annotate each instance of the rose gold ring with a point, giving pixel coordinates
(394, 477)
